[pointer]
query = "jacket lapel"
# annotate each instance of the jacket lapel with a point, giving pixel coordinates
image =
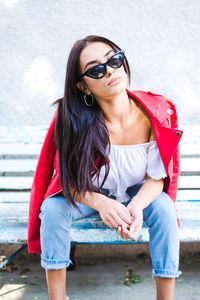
(153, 104)
(158, 111)
(167, 141)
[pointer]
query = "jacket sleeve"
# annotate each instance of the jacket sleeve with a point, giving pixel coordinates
(41, 179)
(176, 157)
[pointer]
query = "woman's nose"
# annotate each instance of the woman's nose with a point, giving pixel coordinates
(109, 70)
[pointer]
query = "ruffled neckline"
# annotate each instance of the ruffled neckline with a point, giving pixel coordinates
(131, 146)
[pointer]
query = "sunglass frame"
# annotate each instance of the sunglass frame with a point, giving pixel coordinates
(104, 65)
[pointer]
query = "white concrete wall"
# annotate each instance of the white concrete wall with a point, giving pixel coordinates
(160, 37)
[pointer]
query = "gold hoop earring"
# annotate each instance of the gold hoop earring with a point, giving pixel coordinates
(85, 99)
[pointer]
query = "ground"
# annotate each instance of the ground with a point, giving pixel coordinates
(97, 279)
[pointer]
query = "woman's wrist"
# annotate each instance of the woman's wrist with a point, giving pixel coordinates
(97, 201)
(137, 201)
(93, 200)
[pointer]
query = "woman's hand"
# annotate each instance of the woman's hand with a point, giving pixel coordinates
(131, 232)
(114, 213)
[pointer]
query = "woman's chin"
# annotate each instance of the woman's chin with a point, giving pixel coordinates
(117, 88)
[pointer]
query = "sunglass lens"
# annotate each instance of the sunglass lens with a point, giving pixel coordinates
(116, 61)
(97, 72)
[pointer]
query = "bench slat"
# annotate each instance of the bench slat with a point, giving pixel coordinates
(191, 182)
(188, 195)
(19, 150)
(190, 164)
(26, 167)
(13, 212)
(22, 134)
(17, 167)
(25, 183)
(21, 197)
(15, 183)
(32, 150)
(9, 212)
(14, 197)
(18, 235)
(12, 231)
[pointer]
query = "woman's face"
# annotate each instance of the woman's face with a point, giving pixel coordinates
(101, 88)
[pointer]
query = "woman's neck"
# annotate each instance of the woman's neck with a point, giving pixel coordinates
(118, 110)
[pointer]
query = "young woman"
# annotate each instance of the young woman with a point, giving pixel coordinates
(110, 150)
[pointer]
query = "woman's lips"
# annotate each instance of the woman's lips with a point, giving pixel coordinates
(114, 81)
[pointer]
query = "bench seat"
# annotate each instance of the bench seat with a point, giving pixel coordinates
(19, 151)
(13, 226)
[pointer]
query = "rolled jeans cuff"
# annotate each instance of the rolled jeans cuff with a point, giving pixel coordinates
(55, 264)
(166, 273)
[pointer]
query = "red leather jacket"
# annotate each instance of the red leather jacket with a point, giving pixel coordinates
(163, 116)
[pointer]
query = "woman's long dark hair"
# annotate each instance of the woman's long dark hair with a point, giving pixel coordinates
(80, 132)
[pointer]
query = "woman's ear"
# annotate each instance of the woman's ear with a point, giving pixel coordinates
(81, 86)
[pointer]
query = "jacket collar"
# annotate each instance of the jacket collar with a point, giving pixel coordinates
(155, 104)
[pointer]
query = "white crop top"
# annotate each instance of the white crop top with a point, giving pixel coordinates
(129, 165)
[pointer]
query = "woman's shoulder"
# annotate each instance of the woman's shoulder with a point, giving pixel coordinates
(151, 96)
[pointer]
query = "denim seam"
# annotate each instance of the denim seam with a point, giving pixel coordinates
(166, 272)
(55, 261)
(55, 266)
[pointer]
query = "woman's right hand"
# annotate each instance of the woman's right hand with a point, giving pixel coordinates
(114, 213)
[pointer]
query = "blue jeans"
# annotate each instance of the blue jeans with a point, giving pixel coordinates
(160, 216)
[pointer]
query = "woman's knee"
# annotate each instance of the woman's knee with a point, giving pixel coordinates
(55, 208)
(163, 209)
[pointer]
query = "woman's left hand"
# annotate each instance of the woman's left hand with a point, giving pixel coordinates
(131, 231)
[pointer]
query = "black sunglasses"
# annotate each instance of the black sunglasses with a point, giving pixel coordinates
(99, 71)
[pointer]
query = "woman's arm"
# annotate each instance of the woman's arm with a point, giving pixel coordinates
(150, 189)
(148, 192)
(112, 213)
